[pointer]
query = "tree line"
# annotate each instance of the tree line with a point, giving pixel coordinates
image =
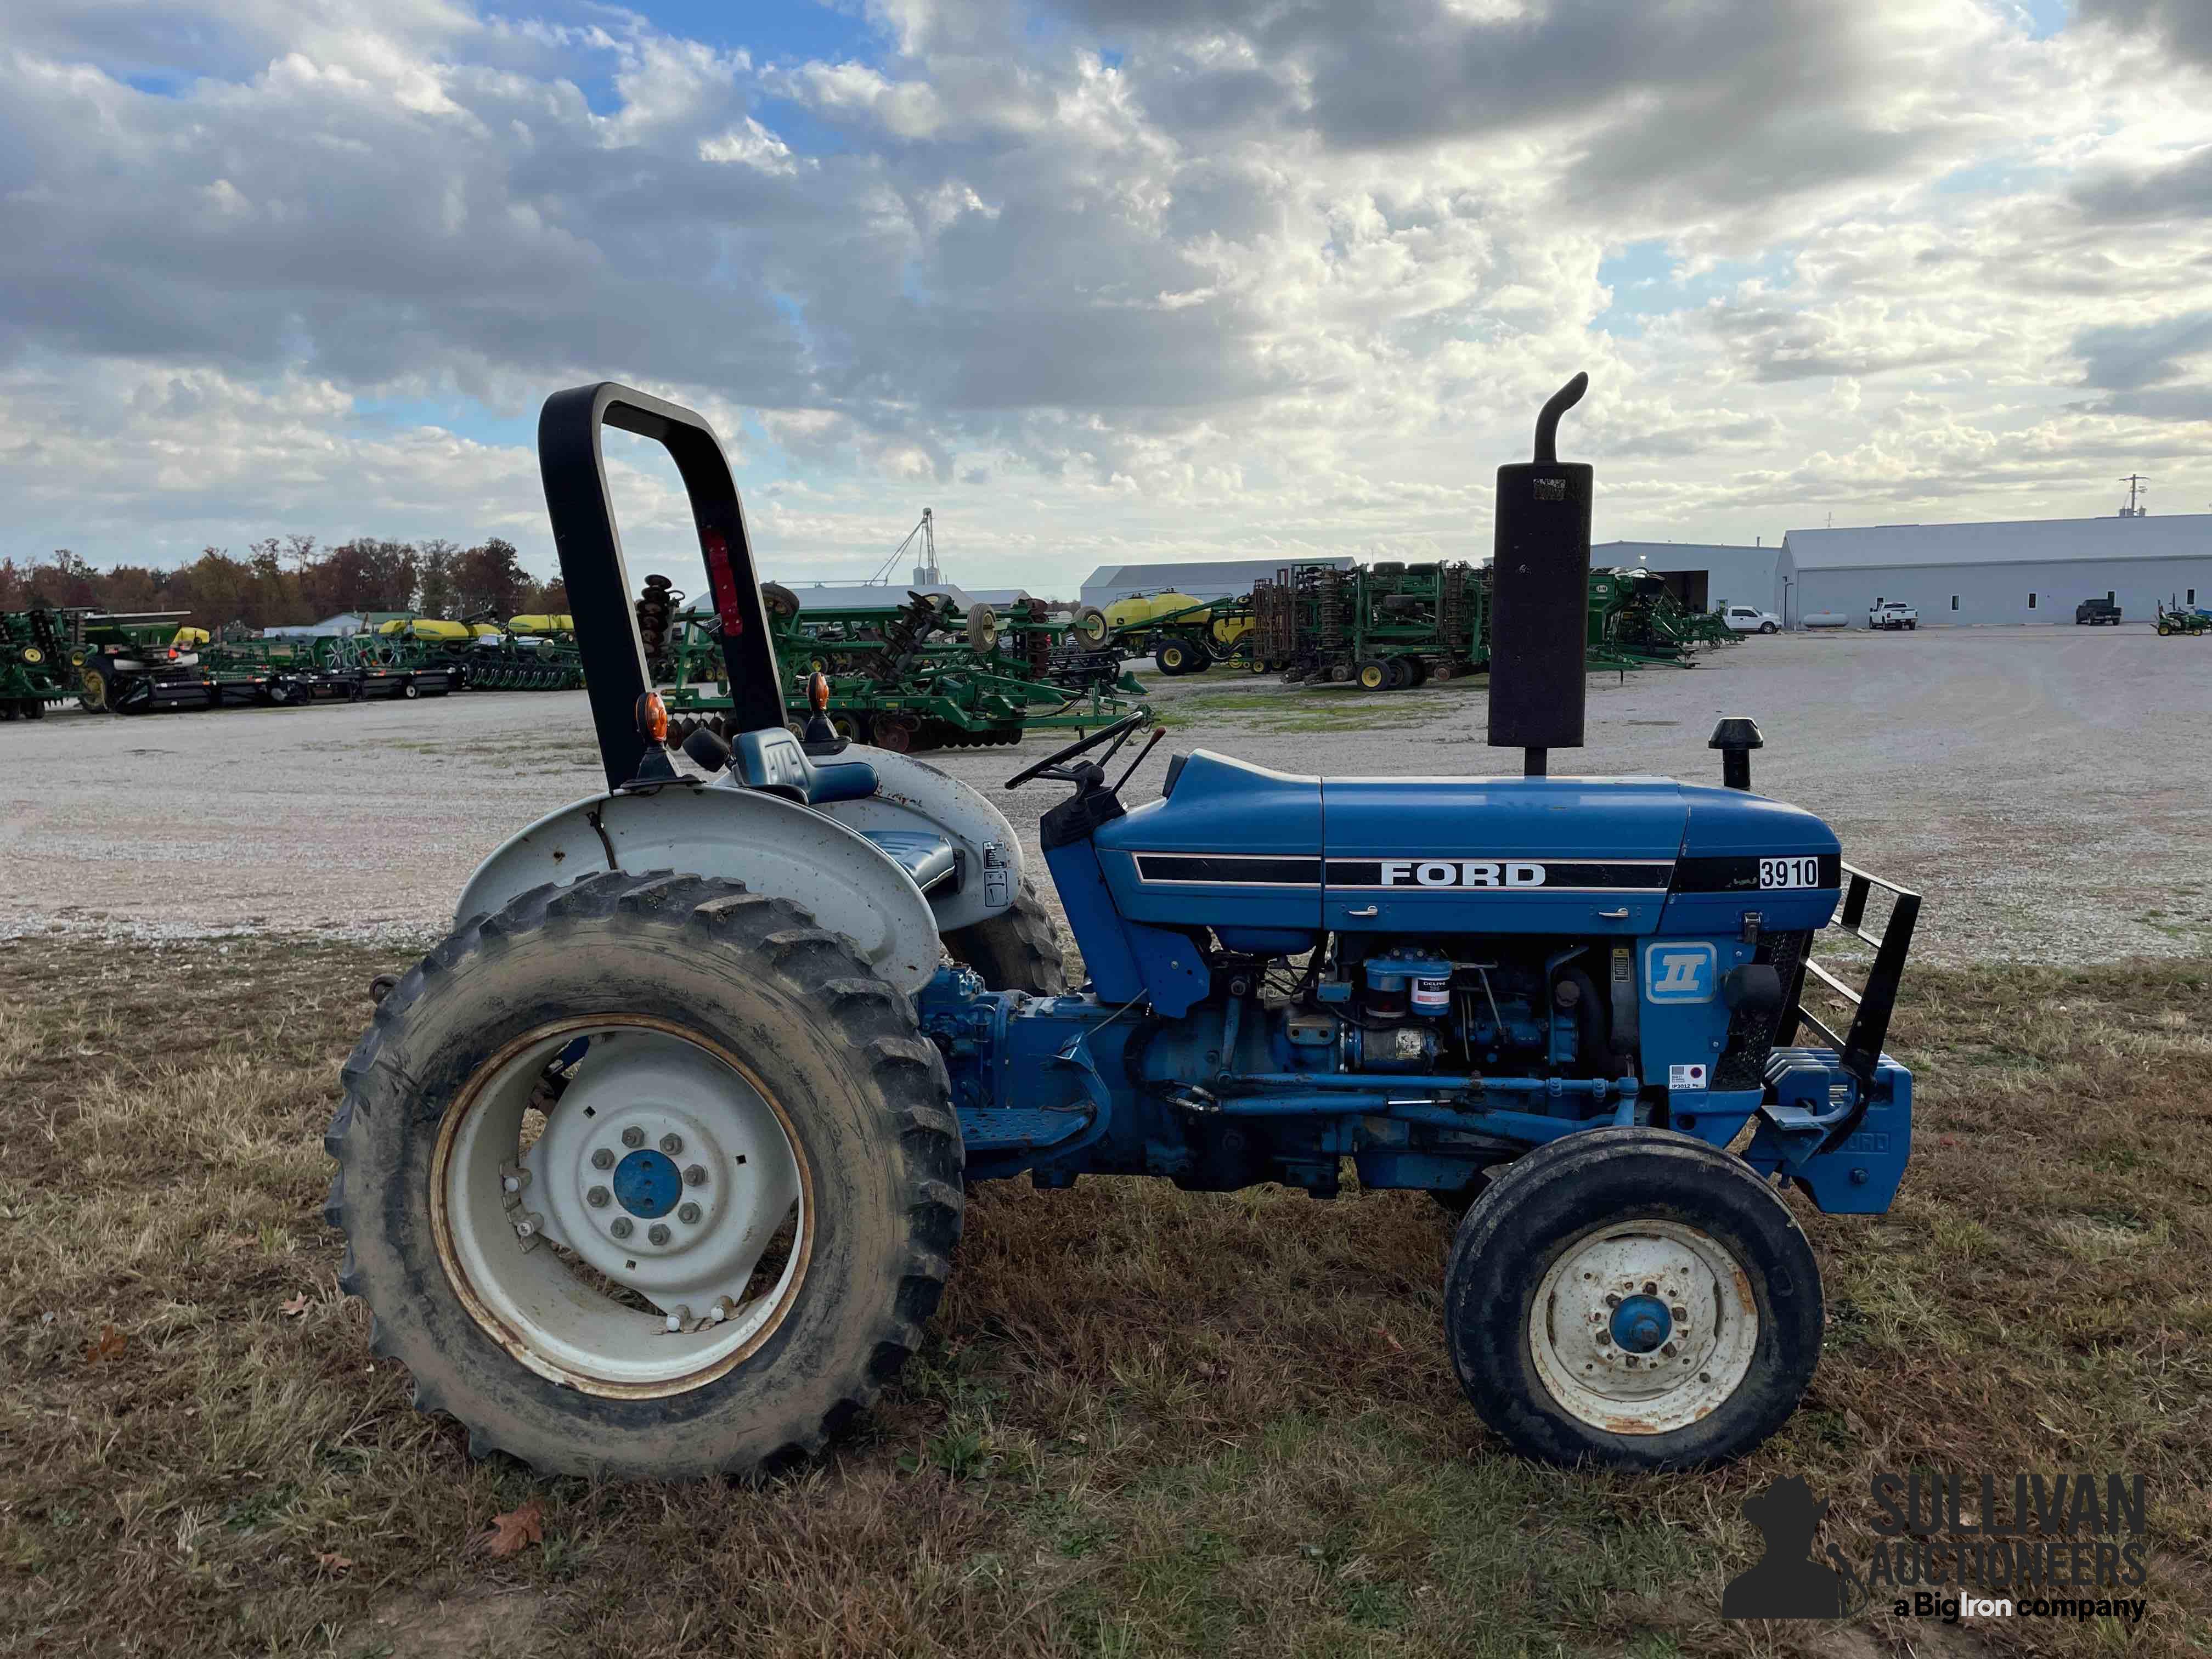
(293, 581)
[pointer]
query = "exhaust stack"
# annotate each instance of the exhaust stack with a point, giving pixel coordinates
(1539, 596)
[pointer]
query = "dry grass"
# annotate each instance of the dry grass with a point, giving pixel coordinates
(1146, 1423)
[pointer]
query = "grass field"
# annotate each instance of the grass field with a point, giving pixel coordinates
(1146, 1422)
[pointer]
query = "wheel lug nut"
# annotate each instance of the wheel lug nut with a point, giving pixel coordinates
(632, 1136)
(687, 1214)
(656, 1234)
(696, 1175)
(1668, 1348)
(1681, 1314)
(603, 1160)
(620, 1226)
(678, 1317)
(672, 1143)
(597, 1198)
(1612, 1300)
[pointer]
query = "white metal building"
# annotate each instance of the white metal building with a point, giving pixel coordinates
(1218, 580)
(1969, 574)
(858, 596)
(1702, 575)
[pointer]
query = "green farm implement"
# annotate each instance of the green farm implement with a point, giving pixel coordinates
(132, 662)
(35, 664)
(1385, 628)
(920, 674)
(1180, 634)
(534, 653)
(1633, 620)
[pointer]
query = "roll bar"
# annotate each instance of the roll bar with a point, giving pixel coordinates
(600, 595)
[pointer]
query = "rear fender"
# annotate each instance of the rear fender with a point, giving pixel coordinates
(912, 794)
(774, 846)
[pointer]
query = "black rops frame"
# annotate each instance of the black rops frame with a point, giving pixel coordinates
(599, 594)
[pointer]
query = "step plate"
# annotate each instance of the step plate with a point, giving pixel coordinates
(1006, 1130)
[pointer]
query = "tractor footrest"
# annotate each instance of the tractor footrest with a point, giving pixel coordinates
(1007, 1129)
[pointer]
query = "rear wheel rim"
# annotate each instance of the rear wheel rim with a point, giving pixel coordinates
(1644, 1326)
(662, 1223)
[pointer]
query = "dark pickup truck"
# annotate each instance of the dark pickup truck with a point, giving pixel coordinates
(2096, 611)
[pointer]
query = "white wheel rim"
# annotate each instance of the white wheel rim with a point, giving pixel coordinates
(1592, 1326)
(664, 1169)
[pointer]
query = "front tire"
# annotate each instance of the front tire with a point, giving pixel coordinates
(728, 1033)
(1632, 1298)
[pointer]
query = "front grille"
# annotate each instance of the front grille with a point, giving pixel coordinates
(1751, 1033)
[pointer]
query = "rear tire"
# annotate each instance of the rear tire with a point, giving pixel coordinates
(1016, 950)
(1533, 1335)
(799, 1027)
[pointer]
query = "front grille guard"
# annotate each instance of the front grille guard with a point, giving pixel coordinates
(1859, 1049)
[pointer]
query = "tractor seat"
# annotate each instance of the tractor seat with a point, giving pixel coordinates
(774, 763)
(928, 859)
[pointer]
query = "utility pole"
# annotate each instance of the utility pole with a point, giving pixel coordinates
(2135, 483)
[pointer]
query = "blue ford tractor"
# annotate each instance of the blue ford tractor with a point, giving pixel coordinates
(654, 1167)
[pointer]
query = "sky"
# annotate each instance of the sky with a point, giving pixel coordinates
(1099, 281)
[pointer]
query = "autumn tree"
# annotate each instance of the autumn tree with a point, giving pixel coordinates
(489, 576)
(365, 574)
(547, 599)
(435, 589)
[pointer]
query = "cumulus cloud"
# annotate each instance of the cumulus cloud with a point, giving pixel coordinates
(2185, 25)
(1132, 278)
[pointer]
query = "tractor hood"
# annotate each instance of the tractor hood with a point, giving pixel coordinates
(1240, 846)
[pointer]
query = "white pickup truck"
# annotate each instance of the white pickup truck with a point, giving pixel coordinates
(1893, 613)
(1750, 619)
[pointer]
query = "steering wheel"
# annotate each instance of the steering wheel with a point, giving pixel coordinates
(1050, 765)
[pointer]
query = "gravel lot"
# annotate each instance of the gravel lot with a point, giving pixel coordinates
(2046, 789)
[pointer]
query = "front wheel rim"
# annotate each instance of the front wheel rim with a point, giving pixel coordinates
(1644, 1326)
(651, 1235)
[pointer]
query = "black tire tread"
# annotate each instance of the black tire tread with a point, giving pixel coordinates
(814, 965)
(1016, 950)
(1498, 1216)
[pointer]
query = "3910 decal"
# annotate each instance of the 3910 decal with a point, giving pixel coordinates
(1789, 873)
